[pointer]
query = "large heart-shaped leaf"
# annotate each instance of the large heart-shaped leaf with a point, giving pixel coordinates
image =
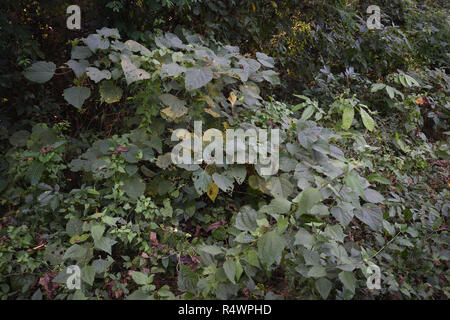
(40, 72)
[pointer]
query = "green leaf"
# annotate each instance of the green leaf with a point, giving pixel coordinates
(307, 199)
(377, 87)
(223, 182)
(308, 112)
(78, 67)
(304, 238)
(76, 96)
(323, 285)
(97, 231)
(109, 93)
(34, 172)
(280, 187)
(80, 52)
(172, 69)
(97, 75)
(371, 215)
(348, 279)
(230, 270)
(347, 117)
(335, 232)
(40, 72)
(88, 274)
(19, 138)
(95, 42)
(196, 78)
(202, 180)
(378, 178)
(212, 250)
(139, 277)
(134, 187)
(251, 256)
(133, 73)
(373, 196)
(246, 219)
(105, 244)
(367, 120)
(238, 172)
(270, 247)
(317, 272)
(265, 60)
(75, 252)
(277, 206)
(352, 181)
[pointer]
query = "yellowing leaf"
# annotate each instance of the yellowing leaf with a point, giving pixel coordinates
(211, 112)
(212, 191)
(232, 98)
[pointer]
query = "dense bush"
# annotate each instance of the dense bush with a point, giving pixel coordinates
(87, 176)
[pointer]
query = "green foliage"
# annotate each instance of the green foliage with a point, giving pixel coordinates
(87, 176)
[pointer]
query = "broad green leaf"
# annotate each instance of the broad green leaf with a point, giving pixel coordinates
(352, 181)
(96, 42)
(347, 117)
(367, 120)
(238, 172)
(317, 272)
(139, 277)
(223, 182)
(304, 238)
(40, 72)
(377, 87)
(280, 187)
(230, 270)
(109, 93)
(97, 231)
(34, 172)
(202, 180)
(134, 46)
(75, 252)
(270, 247)
(80, 52)
(134, 187)
(246, 219)
(307, 199)
(371, 215)
(212, 250)
(343, 213)
(251, 256)
(88, 274)
(76, 96)
(133, 73)
(196, 78)
(97, 75)
(78, 67)
(335, 232)
(105, 244)
(172, 70)
(323, 285)
(19, 138)
(348, 279)
(373, 196)
(109, 32)
(308, 112)
(265, 60)
(378, 178)
(277, 206)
